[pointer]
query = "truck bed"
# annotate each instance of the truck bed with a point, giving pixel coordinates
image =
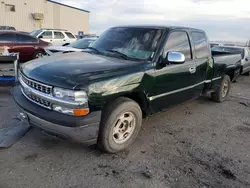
(227, 63)
(228, 59)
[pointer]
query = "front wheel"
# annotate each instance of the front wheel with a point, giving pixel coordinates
(120, 125)
(222, 93)
(247, 73)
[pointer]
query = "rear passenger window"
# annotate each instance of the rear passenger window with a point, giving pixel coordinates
(70, 35)
(58, 35)
(7, 38)
(178, 42)
(200, 45)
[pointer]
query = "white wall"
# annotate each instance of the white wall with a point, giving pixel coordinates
(55, 16)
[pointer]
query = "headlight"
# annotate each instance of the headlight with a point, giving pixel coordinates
(69, 95)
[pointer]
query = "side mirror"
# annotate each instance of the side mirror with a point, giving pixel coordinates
(175, 57)
(40, 37)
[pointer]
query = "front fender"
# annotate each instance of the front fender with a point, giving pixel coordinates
(105, 91)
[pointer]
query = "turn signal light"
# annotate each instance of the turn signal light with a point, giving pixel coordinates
(70, 111)
(81, 112)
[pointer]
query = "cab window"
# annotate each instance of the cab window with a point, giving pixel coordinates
(178, 42)
(200, 45)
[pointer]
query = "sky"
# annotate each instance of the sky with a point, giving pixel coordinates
(223, 20)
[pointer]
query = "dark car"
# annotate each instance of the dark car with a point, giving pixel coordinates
(101, 95)
(27, 46)
(7, 28)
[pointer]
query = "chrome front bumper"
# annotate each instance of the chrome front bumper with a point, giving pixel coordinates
(82, 130)
(86, 134)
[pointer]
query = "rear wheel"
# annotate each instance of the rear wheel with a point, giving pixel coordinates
(222, 93)
(38, 55)
(120, 125)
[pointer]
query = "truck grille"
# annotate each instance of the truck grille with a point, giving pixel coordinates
(39, 101)
(37, 86)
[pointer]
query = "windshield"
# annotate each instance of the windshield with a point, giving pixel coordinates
(35, 33)
(134, 43)
(82, 43)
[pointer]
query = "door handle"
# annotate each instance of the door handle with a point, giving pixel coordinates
(192, 70)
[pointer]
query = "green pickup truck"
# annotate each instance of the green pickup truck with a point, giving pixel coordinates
(100, 95)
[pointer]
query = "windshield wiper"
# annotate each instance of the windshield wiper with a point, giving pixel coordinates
(91, 48)
(124, 56)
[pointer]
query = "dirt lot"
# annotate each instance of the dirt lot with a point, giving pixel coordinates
(199, 144)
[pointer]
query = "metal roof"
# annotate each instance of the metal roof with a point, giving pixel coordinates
(68, 6)
(159, 27)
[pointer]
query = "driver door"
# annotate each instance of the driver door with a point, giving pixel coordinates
(174, 83)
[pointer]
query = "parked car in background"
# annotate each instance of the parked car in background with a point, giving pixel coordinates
(245, 55)
(7, 28)
(27, 46)
(214, 44)
(101, 94)
(57, 37)
(87, 36)
(77, 46)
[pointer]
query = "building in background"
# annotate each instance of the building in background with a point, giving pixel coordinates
(29, 15)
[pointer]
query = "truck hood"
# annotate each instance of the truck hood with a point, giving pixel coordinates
(76, 69)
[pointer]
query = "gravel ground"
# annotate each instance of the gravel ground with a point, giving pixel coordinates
(198, 144)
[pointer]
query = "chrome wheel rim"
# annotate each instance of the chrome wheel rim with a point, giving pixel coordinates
(124, 128)
(39, 55)
(225, 89)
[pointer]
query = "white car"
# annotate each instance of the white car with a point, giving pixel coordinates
(76, 46)
(245, 55)
(55, 36)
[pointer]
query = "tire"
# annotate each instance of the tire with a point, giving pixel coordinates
(38, 54)
(247, 73)
(222, 94)
(117, 132)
